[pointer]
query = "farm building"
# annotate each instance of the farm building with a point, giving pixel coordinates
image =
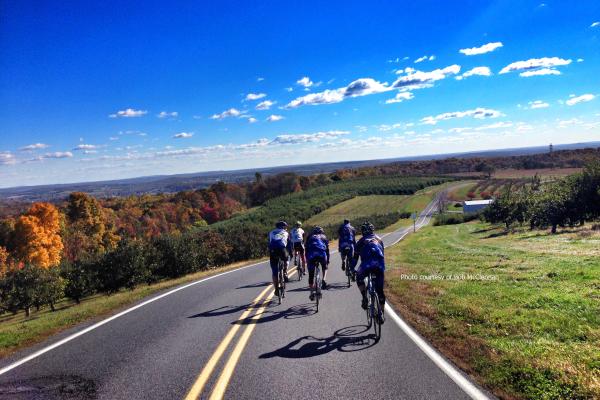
(473, 206)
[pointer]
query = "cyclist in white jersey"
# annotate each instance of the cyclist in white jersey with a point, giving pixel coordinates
(297, 238)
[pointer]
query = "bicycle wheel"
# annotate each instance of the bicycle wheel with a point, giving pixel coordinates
(281, 282)
(369, 303)
(348, 273)
(376, 315)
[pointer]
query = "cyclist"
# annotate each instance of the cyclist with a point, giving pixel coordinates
(279, 245)
(347, 242)
(317, 251)
(370, 250)
(297, 237)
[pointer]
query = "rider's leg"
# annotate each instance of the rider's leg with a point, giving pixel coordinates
(311, 278)
(360, 282)
(285, 257)
(324, 264)
(274, 261)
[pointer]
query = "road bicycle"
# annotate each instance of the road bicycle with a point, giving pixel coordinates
(299, 264)
(281, 279)
(374, 309)
(346, 263)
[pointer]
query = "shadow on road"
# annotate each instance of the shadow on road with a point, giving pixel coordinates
(349, 339)
(221, 311)
(297, 311)
(255, 285)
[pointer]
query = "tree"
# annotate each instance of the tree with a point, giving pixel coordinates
(36, 236)
(80, 279)
(19, 289)
(88, 234)
(51, 288)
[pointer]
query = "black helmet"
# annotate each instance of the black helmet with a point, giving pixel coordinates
(346, 221)
(317, 230)
(367, 228)
(281, 225)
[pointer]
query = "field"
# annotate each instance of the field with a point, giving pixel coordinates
(358, 207)
(364, 206)
(521, 312)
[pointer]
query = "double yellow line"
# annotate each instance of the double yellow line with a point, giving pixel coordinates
(223, 381)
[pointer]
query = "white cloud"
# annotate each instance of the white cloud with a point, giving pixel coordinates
(183, 135)
(400, 97)
(420, 79)
(167, 114)
(359, 87)
(580, 99)
(540, 72)
(425, 58)
(289, 89)
(595, 24)
(232, 112)
(538, 104)
(307, 138)
(305, 81)
(481, 71)
(34, 146)
(7, 158)
(113, 138)
(255, 96)
(252, 120)
(273, 118)
(260, 79)
(128, 113)
(478, 113)
(486, 48)
(536, 66)
(265, 105)
(85, 147)
(58, 154)
(579, 60)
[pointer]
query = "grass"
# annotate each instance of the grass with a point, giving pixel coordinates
(357, 207)
(17, 332)
(531, 329)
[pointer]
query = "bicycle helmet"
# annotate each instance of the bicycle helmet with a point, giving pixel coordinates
(367, 228)
(281, 225)
(346, 222)
(298, 224)
(317, 230)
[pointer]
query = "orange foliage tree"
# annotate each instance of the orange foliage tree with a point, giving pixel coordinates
(37, 236)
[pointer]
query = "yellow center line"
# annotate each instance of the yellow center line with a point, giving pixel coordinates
(221, 386)
(198, 386)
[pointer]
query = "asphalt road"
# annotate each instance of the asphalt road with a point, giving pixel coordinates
(220, 338)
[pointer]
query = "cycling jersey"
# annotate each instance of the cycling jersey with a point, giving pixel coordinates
(347, 237)
(297, 235)
(317, 246)
(370, 250)
(278, 239)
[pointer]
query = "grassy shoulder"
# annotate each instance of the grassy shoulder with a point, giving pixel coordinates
(17, 331)
(521, 312)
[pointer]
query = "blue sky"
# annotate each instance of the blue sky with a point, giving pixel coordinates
(113, 90)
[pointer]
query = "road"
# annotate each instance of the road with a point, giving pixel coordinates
(224, 338)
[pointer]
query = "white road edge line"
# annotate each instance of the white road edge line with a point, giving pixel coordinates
(107, 320)
(470, 389)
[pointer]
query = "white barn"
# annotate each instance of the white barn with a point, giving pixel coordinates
(473, 206)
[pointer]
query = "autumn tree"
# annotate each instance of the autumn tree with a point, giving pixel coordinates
(87, 234)
(37, 236)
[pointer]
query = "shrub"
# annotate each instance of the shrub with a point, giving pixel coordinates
(19, 289)
(125, 267)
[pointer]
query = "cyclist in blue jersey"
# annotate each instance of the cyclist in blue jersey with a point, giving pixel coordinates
(347, 242)
(279, 249)
(317, 251)
(370, 251)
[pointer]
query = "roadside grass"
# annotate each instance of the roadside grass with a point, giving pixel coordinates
(531, 333)
(459, 193)
(18, 331)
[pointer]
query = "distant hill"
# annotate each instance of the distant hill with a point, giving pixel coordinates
(176, 183)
